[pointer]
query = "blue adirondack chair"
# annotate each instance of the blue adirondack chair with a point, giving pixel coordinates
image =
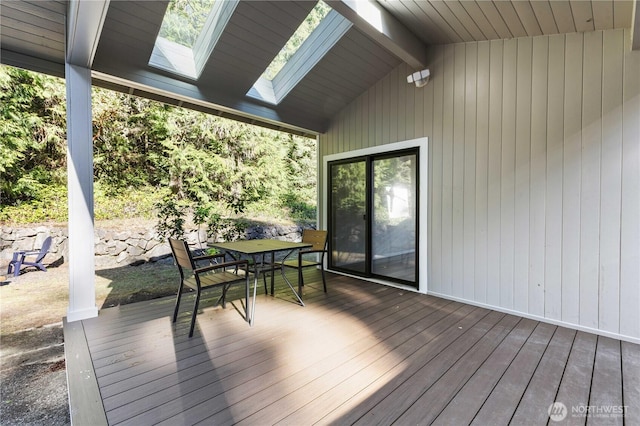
(20, 258)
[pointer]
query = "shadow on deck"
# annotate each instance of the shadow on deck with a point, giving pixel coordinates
(360, 354)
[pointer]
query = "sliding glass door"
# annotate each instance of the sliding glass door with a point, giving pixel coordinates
(348, 216)
(393, 220)
(373, 221)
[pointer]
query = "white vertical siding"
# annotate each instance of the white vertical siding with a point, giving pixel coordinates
(553, 204)
(507, 173)
(494, 171)
(571, 177)
(534, 174)
(590, 189)
(630, 205)
(522, 175)
(469, 184)
(482, 161)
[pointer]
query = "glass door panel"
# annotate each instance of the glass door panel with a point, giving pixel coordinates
(348, 216)
(393, 227)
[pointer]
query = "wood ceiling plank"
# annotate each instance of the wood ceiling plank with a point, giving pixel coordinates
(480, 19)
(31, 27)
(146, 13)
(562, 15)
(439, 21)
(528, 18)
(622, 11)
(50, 10)
(582, 15)
(425, 27)
(545, 17)
(493, 16)
(446, 14)
(29, 35)
(602, 14)
(511, 18)
(467, 20)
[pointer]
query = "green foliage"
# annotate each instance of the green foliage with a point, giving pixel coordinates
(32, 134)
(225, 229)
(52, 205)
(133, 203)
(171, 218)
(148, 157)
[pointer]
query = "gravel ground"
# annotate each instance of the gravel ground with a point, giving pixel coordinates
(33, 381)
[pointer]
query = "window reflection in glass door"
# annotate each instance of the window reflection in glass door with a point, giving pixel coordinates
(393, 239)
(348, 210)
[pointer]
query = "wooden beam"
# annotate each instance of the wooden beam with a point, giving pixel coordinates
(85, 19)
(373, 20)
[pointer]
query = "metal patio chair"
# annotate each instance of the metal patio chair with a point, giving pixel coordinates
(213, 275)
(308, 258)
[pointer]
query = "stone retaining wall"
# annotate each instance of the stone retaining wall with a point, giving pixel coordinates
(119, 248)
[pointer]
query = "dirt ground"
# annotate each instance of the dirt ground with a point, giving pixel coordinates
(33, 381)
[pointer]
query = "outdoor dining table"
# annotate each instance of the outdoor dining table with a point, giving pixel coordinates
(258, 250)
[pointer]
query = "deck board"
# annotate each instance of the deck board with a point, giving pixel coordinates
(631, 382)
(359, 354)
(480, 385)
(505, 397)
(543, 387)
(606, 384)
(575, 385)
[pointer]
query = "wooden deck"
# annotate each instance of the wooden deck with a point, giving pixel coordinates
(361, 354)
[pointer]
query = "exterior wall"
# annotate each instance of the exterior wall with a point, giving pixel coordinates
(534, 172)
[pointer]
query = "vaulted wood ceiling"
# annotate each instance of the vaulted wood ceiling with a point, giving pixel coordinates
(32, 35)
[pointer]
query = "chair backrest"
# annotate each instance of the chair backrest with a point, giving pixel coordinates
(181, 253)
(317, 238)
(46, 245)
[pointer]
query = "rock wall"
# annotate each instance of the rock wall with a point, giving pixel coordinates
(119, 248)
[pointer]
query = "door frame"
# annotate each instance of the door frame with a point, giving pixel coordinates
(423, 206)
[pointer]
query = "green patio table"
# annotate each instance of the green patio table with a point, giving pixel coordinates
(258, 250)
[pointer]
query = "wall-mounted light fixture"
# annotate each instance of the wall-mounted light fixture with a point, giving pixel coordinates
(419, 78)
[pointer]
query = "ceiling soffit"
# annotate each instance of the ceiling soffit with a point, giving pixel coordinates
(33, 37)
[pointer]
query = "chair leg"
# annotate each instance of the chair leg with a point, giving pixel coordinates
(16, 262)
(246, 300)
(178, 297)
(16, 268)
(223, 298)
(264, 279)
(324, 281)
(195, 312)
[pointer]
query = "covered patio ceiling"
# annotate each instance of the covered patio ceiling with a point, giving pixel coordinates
(116, 39)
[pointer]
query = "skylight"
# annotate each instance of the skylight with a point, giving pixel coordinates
(317, 34)
(184, 20)
(189, 32)
(311, 22)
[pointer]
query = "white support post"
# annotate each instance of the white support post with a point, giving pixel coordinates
(82, 294)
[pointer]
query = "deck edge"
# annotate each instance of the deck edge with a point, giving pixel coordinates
(85, 401)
